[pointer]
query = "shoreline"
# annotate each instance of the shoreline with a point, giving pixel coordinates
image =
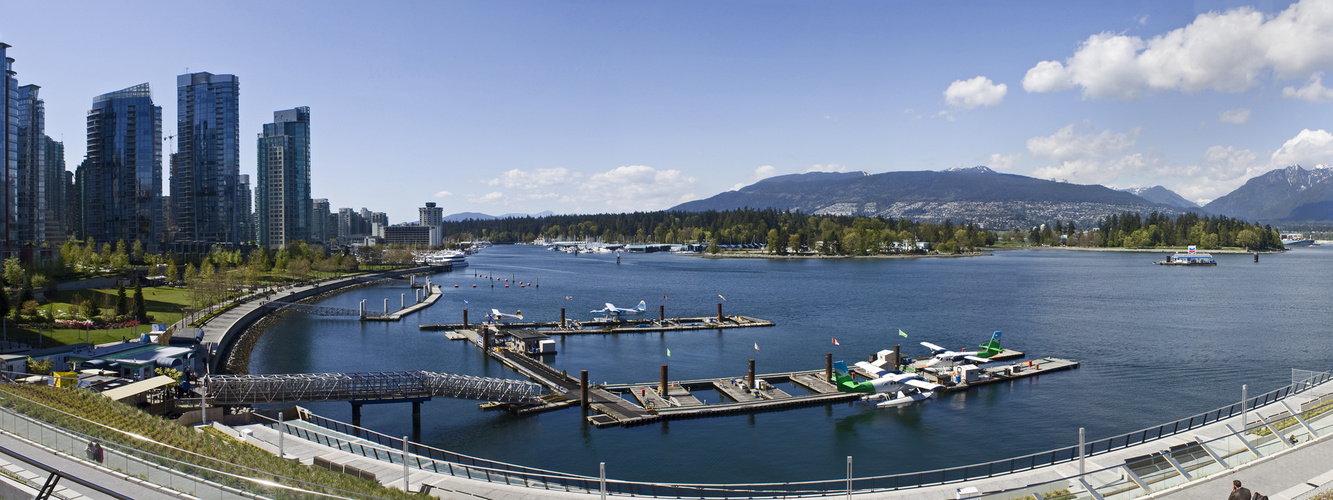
(1138, 250)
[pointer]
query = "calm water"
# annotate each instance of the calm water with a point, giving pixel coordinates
(1155, 343)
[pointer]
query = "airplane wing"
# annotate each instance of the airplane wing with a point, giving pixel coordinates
(977, 359)
(495, 312)
(922, 384)
(611, 307)
(873, 370)
(933, 347)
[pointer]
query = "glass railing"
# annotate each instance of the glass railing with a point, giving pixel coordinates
(1119, 482)
(148, 460)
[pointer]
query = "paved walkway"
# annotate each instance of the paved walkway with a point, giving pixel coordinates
(115, 481)
(1283, 475)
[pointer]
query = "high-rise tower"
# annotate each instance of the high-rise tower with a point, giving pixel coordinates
(120, 182)
(282, 190)
(205, 177)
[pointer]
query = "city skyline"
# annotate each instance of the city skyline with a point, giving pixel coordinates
(503, 107)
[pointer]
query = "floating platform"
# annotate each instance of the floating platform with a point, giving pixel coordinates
(432, 295)
(616, 327)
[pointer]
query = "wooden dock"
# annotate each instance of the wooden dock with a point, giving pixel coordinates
(644, 403)
(614, 327)
(432, 295)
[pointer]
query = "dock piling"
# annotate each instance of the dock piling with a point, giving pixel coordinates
(583, 388)
(661, 312)
(897, 356)
(562, 317)
(719, 312)
(828, 366)
(663, 388)
(416, 414)
(356, 414)
(402, 301)
(750, 379)
(465, 317)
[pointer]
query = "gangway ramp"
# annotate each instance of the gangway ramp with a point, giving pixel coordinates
(365, 387)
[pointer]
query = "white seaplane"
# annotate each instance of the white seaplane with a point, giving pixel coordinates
(889, 387)
(612, 310)
(502, 317)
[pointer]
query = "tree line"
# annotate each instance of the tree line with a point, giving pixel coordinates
(786, 231)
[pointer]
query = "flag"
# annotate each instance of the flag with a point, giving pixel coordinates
(835, 341)
(668, 352)
(756, 346)
(569, 297)
(664, 297)
(724, 299)
(902, 333)
(464, 301)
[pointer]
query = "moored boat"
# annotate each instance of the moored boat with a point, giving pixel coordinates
(1296, 240)
(1190, 258)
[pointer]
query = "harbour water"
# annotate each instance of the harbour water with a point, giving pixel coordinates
(1156, 344)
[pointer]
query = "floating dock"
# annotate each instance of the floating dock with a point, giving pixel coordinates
(624, 326)
(644, 403)
(433, 294)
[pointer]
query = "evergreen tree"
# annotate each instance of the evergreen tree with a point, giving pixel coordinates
(140, 311)
(122, 302)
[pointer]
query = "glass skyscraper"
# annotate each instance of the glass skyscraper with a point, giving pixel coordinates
(205, 179)
(282, 190)
(9, 96)
(120, 182)
(30, 223)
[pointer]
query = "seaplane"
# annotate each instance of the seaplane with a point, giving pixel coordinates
(944, 359)
(502, 317)
(889, 387)
(612, 310)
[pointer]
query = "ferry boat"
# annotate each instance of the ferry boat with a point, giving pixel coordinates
(456, 259)
(1296, 240)
(1190, 258)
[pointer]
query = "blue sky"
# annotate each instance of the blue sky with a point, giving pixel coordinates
(587, 107)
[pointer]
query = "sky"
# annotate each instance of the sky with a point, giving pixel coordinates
(611, 106)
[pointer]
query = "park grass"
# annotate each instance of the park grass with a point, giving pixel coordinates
(124, 427)
(165, 304)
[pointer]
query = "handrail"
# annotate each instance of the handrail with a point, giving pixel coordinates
(518, 474)
(52, 470)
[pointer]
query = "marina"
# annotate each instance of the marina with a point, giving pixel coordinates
(572, 327)
(648, 402)
(1042, 300)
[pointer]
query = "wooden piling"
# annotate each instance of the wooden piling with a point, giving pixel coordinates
(719, 312)
(750, 379)
(897, 356)
(663, 388)
(583, 388)
(356, 414)
(828, 366)
(661, 312)
(562, 317)
(464, 318)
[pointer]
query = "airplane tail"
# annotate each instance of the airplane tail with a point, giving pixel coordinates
(840, 370)
(643, 306)
(991, 347)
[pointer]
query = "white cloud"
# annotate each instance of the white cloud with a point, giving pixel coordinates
(979, 91)
(1072, 143)
(827, 168)
(999, 162)
(529, 179)
(1308, 148)
(636, 187)
(1313, 91)
(1234, 116)
(442, 194)
(1223, 52)
(491, 198)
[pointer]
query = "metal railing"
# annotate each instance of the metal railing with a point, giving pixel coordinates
(424, 457)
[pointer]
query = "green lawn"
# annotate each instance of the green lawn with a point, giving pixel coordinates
(162, 303)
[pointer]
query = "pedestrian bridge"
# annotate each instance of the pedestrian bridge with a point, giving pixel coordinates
(366, 387)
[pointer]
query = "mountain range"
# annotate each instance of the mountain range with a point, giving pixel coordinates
(462, 216)
(991, 199)
(976, 194)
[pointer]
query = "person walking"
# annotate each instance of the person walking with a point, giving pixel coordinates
(1238, 492)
